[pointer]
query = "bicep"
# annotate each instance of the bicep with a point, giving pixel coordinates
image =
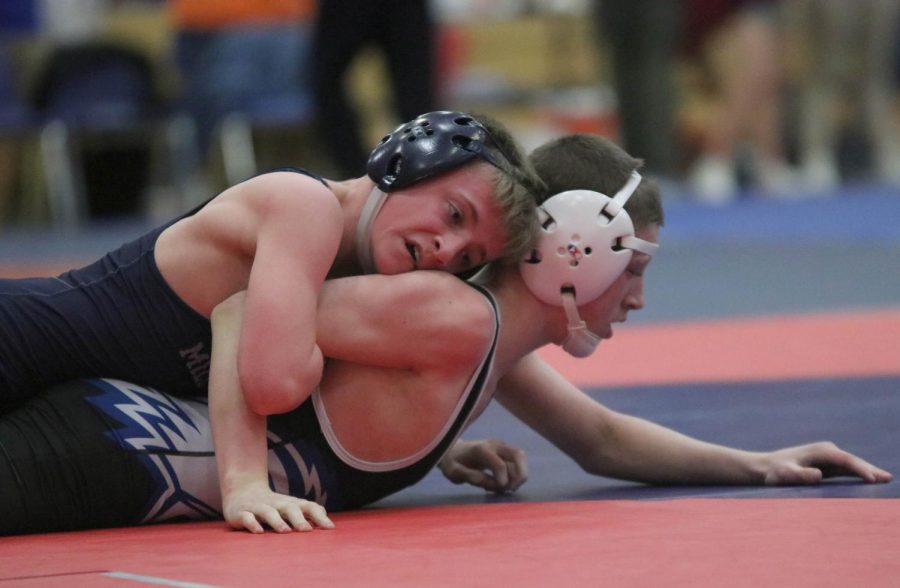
(296, 244)
(413, 321)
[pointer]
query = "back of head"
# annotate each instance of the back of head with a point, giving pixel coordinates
(591, 162)
(441, 141)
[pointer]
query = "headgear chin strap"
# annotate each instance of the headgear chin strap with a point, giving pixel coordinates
(585, 243)
(364, 229)
(581, 341)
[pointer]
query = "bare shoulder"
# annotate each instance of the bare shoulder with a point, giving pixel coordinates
(288, 192)
(288, 211)
(279, 195)
(289, 205)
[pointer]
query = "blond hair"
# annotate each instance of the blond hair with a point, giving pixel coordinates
(517, 189)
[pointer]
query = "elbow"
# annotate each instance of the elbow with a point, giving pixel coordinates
(270, 391)
(597, 458)
(590, 464)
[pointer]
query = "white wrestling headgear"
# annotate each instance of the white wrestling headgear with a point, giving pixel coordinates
(585, 243)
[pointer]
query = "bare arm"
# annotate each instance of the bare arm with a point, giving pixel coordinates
(360, 322)
(422, 320)
(297, 240)
(239, 437)
(608, 443)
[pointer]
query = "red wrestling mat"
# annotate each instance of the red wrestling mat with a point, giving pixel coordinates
(613, 543)
(8, 270)
(846, 344)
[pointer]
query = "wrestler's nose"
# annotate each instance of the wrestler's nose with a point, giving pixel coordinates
(448, 249)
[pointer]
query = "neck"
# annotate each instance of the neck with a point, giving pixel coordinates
(351, 195)
(519, 336)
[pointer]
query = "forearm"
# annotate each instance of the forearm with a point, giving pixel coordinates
(239, 434)
(608, 443)
(634, 449)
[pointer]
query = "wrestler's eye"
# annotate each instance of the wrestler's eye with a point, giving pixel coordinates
(635, 270)
(456, 215)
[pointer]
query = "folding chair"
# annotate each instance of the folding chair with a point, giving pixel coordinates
(95, 98)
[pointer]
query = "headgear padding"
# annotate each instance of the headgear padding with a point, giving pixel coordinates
(431, 144)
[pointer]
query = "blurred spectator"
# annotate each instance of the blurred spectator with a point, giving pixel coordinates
(848, 85)
(739, 44)
(93, 98)
(231, 51)
(404, 31)
(71, 21)
(18, 18)
(642, 36)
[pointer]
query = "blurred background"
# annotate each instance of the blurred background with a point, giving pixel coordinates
(145, 107)
(120, 113)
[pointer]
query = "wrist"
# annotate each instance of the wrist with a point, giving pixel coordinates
(232, 484)
(757, 468)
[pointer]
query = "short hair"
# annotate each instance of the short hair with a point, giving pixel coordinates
(591, 162)
(517, 189)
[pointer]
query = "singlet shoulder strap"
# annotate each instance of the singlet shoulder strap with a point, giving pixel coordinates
(487, 294)
(304, 171)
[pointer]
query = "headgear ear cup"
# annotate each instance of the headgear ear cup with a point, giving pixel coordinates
(585, 242)
(578, 247)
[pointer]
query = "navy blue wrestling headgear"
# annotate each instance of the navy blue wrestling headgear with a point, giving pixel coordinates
(429, 145)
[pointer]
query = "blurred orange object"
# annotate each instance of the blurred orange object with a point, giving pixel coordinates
(212, 14)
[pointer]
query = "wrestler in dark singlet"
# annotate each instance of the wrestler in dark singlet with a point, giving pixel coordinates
(105, 453)
(116, 318)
